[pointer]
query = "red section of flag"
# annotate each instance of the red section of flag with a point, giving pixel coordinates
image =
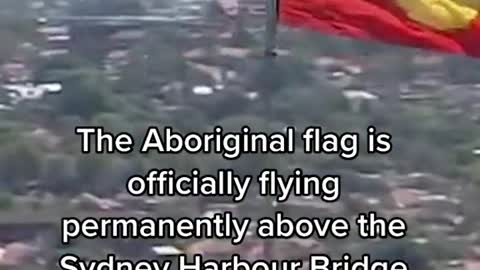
(376, 20)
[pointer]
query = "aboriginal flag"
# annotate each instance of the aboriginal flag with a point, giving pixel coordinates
(445, 25)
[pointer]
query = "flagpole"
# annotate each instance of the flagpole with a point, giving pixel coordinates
(271, 23)
(271, 27)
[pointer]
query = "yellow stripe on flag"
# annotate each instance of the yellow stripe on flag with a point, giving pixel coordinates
(442, 14)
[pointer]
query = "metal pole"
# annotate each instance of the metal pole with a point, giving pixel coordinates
(270, 55)
(271, 27)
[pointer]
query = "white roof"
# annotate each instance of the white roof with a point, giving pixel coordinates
(58, 38)
(4, 107)
(30, 91)
(356, 94)
(48, 53)
(166, 250)
(252, 95)
(202, 90)
(50, 87)
(54, 30)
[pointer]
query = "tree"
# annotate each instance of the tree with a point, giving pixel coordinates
(112, 122)
(91, 171)
(20, 163)
(9, 45)
(59, 173)
(52, 69)
(15, 32)
(155, 62)
(85, 93)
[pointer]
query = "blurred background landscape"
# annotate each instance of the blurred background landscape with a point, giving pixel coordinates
(193, 64)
